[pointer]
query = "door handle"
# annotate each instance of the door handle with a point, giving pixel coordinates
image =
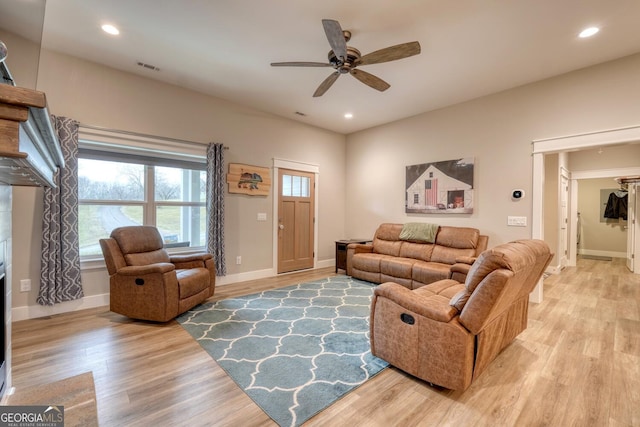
(281, 226)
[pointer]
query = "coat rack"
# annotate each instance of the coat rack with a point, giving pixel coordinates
(627, 179)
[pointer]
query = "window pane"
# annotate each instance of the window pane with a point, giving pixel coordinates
(96, 222)
(286, 185)
(182, 226)
(175, 184)
(105, 180)
(295, 186)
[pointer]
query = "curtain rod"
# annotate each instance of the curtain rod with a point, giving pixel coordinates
(144, 135)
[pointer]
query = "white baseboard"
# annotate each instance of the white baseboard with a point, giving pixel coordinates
(263, 274)
(612, 254)
(553, 269)
(243, 277)
(326, 263)
(93, 301)
(35, 311)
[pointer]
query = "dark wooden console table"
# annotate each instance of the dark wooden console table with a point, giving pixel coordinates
(341, 252)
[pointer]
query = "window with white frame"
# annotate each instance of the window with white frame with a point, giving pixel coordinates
(120, 185)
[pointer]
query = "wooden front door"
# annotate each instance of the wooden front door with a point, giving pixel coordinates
(296, 198)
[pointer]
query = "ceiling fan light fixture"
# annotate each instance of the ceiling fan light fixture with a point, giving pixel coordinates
(345, 59)
(588, 32)
(110, 29)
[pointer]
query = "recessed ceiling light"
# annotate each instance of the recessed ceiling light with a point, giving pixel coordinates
(110, 29)
(348, 116)
(588, 32)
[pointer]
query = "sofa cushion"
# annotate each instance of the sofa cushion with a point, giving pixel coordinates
(458, 237)
(368, 262)
(407, 283)
(429, 272)
(387, 239)
(388, 231)
(192, 281)
(397, 267)
(146, 258)
(448, 255)
(387, 247)
(421, 251)
(447, 288)
(136, 239)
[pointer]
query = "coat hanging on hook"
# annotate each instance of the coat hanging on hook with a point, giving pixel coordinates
(617, 205)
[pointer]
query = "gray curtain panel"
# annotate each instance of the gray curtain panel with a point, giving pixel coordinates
(60, 260)
(215, 206)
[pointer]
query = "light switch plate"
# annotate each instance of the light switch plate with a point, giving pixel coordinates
(262, 216)
(517, 221)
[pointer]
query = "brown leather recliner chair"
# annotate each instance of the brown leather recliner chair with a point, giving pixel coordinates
(447, 333)
(148, 284)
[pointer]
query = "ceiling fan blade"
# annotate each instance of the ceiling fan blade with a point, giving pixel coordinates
(326, 84)
(336, 38)
(300, 64)
(391, 53)
(370, 80)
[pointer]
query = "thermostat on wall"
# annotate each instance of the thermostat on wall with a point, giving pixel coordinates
(517, 194)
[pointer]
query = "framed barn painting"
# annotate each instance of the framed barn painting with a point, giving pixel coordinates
(440, 187)
(247, 179)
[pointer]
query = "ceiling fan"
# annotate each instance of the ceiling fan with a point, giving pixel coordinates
(345, 59)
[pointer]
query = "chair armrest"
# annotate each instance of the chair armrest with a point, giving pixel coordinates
(356, 248)
(466, 260)
(359, 248)
(190, 258)
(419, 304)
(460, 270)
(140, 270)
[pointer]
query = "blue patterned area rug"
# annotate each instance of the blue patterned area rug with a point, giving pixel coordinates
(293, 350)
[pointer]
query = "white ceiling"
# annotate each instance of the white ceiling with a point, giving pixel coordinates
(224, 48)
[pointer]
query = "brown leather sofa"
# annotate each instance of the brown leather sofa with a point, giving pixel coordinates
(447, 333)
(414, 263)
(148, 284)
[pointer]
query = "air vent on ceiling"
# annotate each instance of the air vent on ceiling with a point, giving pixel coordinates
(148, 66)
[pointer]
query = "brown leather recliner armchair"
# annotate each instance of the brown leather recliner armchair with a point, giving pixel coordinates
(148, 284)
(447, 333)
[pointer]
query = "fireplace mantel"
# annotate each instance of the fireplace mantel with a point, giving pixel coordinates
(29, 149)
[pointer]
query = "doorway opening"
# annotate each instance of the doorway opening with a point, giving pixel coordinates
(566, 144)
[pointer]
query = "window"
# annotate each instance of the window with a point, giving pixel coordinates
(416, 198)
(295, 186)
(116, 190)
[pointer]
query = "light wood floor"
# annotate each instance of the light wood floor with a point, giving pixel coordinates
(577, 364)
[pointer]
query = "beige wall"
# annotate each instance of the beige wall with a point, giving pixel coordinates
(607, 238)
(619, 156)
(361, 175)
(102, 96)
(22, 59)
(497, 130)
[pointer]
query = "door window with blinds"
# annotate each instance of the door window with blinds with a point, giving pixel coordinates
(118, 189)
